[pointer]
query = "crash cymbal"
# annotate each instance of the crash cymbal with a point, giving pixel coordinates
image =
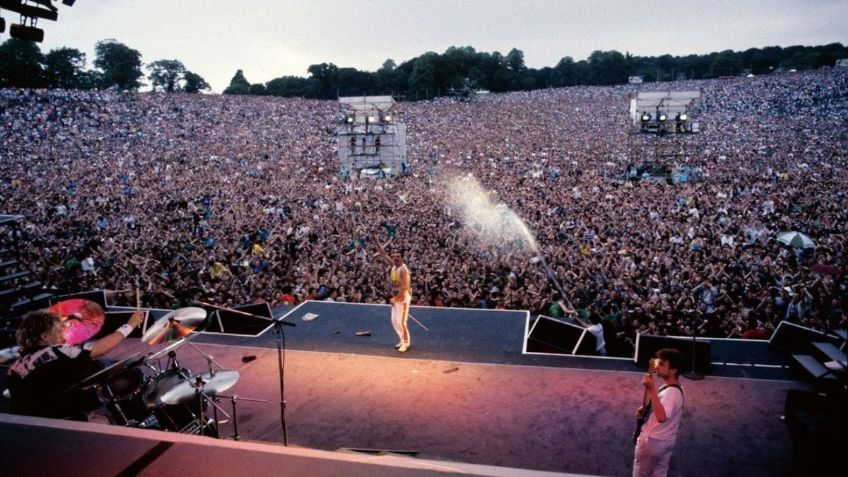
(175, 325)
(82, 319)
(210, 383)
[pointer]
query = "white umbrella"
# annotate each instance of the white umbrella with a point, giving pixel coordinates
(796, 239)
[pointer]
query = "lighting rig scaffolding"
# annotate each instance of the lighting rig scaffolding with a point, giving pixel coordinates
(30, 12)
(371, 138)
(664, 134)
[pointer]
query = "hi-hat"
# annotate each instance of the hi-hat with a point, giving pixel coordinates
(211, 384)
(81, 318)
(175, 325)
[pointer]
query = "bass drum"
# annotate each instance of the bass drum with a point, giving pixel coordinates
(184, 418)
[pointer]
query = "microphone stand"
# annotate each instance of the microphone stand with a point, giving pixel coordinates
(281, 338)
(692, 374)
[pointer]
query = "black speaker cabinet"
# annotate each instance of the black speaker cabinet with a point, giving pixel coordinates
(648, 345)
(550, 335)
(114, 320)
(97, 296)
(795, 338)
(232, 323)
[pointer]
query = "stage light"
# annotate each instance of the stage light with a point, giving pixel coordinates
(350, 119)
(684, 117)
(662, 118)
(388, 118)
(646, 117)
(27, 33)
(371, 119)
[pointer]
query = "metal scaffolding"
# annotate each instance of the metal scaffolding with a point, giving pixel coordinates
(372, 138)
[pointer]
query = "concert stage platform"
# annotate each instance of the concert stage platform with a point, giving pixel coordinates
(465, 392)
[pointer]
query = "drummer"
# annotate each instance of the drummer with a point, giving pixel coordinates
(39, 380)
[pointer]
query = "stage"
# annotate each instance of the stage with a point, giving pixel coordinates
(466, 393)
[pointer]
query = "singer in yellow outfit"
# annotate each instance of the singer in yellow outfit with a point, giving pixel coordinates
(400, 302)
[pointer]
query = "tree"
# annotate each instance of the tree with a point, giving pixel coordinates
(608, 67)
(325, 73)
(165, 75)
(422, 79)
(194, 83)
(726, 63)
(20, 64)
(121, 65)
(563, 73)
(63, 68)
(291, 86)
(257, 89)
(238, 85)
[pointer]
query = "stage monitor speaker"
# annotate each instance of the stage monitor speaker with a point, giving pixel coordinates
(114, 320)
(648, 345)
(551, 335)
(97, 296)
(795, 338)
(237, 324)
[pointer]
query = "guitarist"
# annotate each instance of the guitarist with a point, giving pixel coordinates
(663, 411)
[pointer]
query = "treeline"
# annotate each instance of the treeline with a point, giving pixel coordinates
(463, 70)
(23, 65)
(458, 71)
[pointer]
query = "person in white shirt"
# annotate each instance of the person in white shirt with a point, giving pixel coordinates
(660, 417)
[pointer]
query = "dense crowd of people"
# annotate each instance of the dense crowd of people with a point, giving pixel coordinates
(239, 199)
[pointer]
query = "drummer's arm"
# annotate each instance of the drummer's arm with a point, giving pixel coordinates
(111, 341)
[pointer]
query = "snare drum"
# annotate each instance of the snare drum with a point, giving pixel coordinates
(162, 384)
(123, 396)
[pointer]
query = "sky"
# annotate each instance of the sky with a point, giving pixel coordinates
(272, 38)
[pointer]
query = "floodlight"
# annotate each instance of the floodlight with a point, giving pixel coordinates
(27, 33)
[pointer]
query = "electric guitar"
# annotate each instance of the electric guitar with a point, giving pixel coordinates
(643, 413)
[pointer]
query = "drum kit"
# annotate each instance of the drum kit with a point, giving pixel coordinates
(139, 390)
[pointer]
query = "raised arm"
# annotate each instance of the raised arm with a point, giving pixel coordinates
(385, 256)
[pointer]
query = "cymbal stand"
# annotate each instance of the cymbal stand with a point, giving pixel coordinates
(114, 403)
(201, 415)
(234, 399)
(209, 358)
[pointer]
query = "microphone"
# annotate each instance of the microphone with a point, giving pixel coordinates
(210, 305)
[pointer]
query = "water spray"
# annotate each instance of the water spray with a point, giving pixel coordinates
(497, 221)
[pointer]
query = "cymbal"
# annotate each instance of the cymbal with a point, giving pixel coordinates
(175, 325)
(211, 384)
(108, 372)
(81, 318)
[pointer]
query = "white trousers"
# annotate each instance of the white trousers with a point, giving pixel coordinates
(400, 316)
(651, 457)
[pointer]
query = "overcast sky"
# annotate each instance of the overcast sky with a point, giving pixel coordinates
(268, 39)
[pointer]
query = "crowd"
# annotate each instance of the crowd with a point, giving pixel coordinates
(239, 199)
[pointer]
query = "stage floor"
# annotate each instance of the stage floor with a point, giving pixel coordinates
(465, 392)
